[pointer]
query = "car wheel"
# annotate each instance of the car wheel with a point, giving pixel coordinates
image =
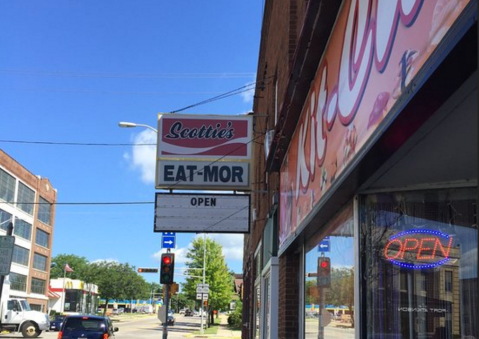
(30, 330)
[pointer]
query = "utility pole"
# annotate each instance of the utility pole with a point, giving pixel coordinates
(202, 331)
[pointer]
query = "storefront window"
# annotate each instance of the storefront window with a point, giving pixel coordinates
(419, 260)
(329, 284)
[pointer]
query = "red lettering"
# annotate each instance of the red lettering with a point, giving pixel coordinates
(399, 251)
(423, 248)
(444, 252)
(406, 248)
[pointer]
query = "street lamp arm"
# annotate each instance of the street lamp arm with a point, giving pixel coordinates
(132, 124)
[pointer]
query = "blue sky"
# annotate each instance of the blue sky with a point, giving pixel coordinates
(71, 70)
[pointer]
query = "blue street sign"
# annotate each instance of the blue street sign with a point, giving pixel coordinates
(169, 234)
(168, 242)
(324, 245)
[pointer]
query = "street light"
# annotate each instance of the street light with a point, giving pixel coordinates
(124, 124)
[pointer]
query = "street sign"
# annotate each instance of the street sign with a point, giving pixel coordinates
(201, 296)
(168, 242)
(6, 253)
(324, 245)
(202, 288)
(169, 234)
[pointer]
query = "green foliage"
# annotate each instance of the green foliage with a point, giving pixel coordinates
(78, 264)
(180, 300)
(235, 319)
(217, 274)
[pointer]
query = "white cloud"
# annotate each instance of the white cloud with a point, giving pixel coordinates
(143, 157)
(248, 96)
(232, 245)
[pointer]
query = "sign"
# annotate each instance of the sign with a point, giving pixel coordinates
(418, 249)
(202, 288)
(206, 213)
(162, 314)
(200, 296)
(167, 241)
(7, 243)
(203, 174)
(376, 50)
(204, 151)
(324, 245)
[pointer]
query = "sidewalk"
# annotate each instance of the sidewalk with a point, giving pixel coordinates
(223, 331)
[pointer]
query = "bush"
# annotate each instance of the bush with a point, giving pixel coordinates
(235, 319)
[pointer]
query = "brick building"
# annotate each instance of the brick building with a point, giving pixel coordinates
(28, 201)
(365, 122)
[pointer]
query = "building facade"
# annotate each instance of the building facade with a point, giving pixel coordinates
(73, 296)
(364, 201)
(28, 202)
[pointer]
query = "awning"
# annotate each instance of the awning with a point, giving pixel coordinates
(52, 294)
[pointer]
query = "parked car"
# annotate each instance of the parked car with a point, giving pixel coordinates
(188, 313)
(87, 326)
(171, 320)
(57, 322)
(182, 311)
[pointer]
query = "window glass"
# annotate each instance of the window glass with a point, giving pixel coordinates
(18, 282)
(44, 211)
(42, 238)
(419, 259)
(257, 311)
(22, 229)
(40, 262)
(329, 281)
(20, 255)
(5, 219)
(38, 286)
(26, 198)
(7, 186)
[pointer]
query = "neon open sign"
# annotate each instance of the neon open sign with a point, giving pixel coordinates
(418, 248)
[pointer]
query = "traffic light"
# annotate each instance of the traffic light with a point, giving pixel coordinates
(167, 268)
(324, 272)
(147, 270)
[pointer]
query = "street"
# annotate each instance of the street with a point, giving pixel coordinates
(146, 327)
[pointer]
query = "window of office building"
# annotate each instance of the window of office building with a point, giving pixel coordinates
(42, 238)
(18, 282)
(26, 198)
(7, 186)
(20, 255)
(5, 219)
(44, 211)
(22, 229)
(38, 286)
(36, 307)
(329, 279)
(418, 247)
(39, 262)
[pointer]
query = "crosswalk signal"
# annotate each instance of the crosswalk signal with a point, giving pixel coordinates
(324, 272)
(167, 268)
(147, 270)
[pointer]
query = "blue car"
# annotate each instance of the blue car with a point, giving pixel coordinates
(56, 323)
(87, 327)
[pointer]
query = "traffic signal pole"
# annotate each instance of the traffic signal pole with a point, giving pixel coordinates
(167, 301)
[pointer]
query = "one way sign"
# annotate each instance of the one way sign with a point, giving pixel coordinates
(168, 241)
(324, 245)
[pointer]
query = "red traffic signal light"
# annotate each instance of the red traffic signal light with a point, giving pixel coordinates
(167, 268)
(324, 272)
(147, 270)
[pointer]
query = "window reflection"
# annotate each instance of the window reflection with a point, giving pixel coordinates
(329, 308)
(423, 286)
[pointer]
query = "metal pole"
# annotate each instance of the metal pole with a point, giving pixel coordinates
(167, 300)
(2, 278)
(204, 267)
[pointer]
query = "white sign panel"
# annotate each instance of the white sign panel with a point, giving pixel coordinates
(6, 252)
(205, 213)
(202, 174)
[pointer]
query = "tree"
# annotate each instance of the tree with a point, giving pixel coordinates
(180, 301)
(80, 266)
(117, 281)
(217, 275)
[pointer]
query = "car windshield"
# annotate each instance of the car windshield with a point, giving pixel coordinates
(84, 324)
(25, 305)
